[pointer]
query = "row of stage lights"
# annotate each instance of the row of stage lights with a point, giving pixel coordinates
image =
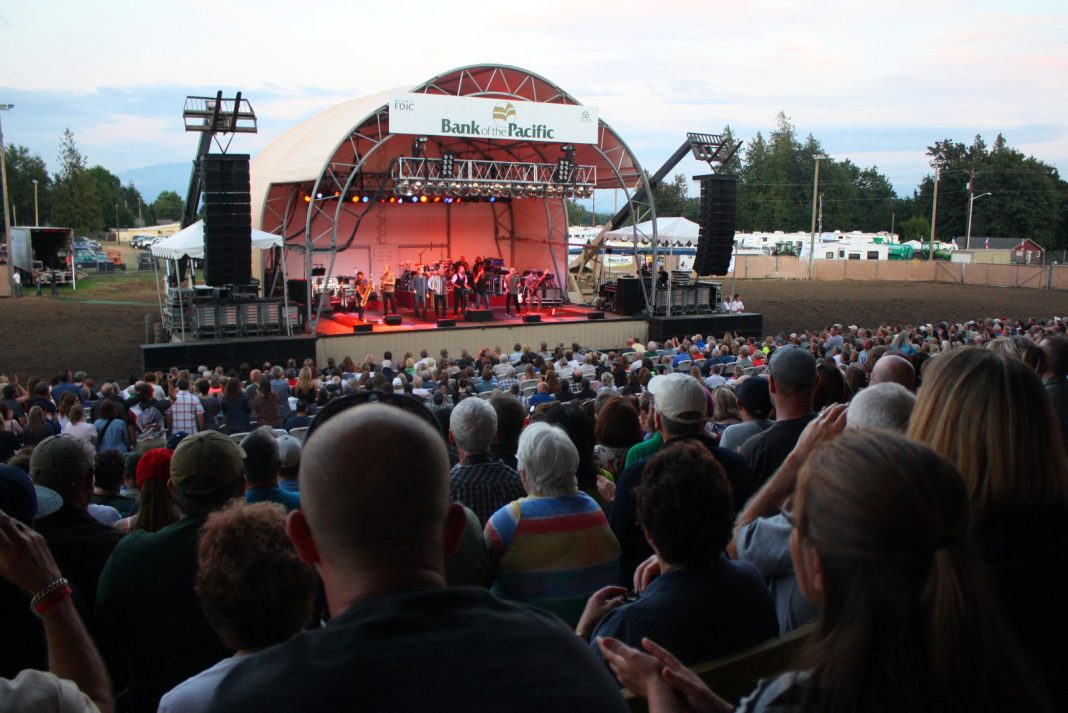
(361, 198)
(490, 189)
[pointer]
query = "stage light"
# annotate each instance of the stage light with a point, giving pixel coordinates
(448, 199)
(319, 196)
(437, 199)
(417, 186)
(458, 200)
(393, 199)
(448, 164)
(415, 199)
(337, 193)
(355, 199)
(365, 199)
(493, 199)
(307, 198)
(423, 199)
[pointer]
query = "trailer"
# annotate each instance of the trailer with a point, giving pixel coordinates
(36, 250)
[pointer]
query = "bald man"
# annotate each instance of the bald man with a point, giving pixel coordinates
(894, 368)
(398, 639)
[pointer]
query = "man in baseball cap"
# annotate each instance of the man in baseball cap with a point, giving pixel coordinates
(792, 383)
(754, 401)
(146, 598)
(679, 409)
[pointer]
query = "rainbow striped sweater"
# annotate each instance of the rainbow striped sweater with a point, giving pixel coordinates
(553, 552)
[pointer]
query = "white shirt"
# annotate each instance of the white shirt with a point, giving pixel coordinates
(16, 278)
(194, 694)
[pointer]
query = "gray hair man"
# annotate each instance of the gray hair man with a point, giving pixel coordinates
(479, 481)
(886, 405)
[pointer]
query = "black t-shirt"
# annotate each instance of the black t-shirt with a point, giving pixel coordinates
(44, 403)
(432, 649)
(766, 451)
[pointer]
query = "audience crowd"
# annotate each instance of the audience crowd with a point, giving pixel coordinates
(538, 528)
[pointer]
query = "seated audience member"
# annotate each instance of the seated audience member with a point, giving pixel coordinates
(155, 505)
(76, 679)
(578, 426)
(255, 591)
(703, 605)
(617, 429)
(1055, 379)
(478, 481)
(792, 384)
(262, 463)
(107, 477)
(129, 475)
(510, 419)
(112, 432)
(147, 423)
(552, 548)
(289, 468)
(38, 427)
(678, 412)
(378, 542)
(300, 419)
(893, 367)
(146, 598)
(991, 417)
(542, 395)
(887, 405)
(830, 386)
(754, 403)
(79, 542)
(894, 538)
(724, 411)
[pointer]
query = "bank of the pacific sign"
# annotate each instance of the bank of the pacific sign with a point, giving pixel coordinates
(502, 119)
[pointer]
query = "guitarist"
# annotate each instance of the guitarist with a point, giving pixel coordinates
(533, 285)
(363, 292)
(481, 284)
(461, 285)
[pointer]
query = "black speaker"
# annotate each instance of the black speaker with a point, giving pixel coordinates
(479, 315)
(717, 217)
(595, 315)
(444, 323)
(532, 318)
(392, 319)
(629, 298)
(297, 290)
(358, 328)
(227, 219)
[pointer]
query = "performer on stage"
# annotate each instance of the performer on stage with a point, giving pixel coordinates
(513, 284)
(462, 261)
(438, 286)
(481, 281)
(461, 285)
(419, 290)
(533, 287)
(363, 292)
(386, 284)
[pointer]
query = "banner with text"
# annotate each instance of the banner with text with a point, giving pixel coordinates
(508, 120)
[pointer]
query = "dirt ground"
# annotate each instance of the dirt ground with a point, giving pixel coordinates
(103, 337)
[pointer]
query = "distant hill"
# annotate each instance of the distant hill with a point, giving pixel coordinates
(153, 180)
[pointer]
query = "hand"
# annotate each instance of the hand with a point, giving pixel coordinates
(606, 488)
(600, 603)
(24, 557)
(693, 690)
(828, 424)
(638, 671)
(645, 573)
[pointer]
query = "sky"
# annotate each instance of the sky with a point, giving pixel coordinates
(876, 82)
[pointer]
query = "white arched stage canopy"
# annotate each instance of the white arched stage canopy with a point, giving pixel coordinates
(327, 184)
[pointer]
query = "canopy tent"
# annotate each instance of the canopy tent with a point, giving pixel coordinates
(666, 229)
(190, 242)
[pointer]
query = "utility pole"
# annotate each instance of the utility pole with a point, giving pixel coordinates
(815, 194)
(3, 186)
(934, 209)
(36, 215)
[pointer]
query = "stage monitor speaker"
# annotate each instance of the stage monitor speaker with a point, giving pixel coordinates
(479, 315)
(361, 328)
(392, 319)
(227, 219)
(444, 323)
(595, 315)
(532, 318)
(717, 217)
(297, 290)
(629, 298)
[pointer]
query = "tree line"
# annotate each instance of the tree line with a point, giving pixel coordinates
(88, 199)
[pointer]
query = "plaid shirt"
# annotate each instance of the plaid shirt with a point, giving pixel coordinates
(485, 485)
(184, 412)
(506, 383)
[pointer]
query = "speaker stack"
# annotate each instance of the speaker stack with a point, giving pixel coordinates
(227, 219)
(629, 298)
(719, 211)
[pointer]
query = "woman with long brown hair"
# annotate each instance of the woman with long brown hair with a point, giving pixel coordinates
(909, 622)
(991, 417)
(156, 508)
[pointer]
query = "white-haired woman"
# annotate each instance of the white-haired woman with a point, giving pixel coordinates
(553, 548)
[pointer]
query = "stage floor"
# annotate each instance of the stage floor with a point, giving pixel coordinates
(338, 323)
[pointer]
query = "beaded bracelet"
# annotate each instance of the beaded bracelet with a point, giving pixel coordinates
(50, 596)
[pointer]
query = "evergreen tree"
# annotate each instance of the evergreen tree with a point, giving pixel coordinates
(74, 196)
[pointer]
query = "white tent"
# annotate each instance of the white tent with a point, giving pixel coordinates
(666, 229)
(190, 242)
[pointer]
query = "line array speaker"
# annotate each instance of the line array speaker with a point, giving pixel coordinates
(227, 219)
(717, 217)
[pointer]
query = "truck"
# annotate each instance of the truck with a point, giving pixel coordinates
(46, 250)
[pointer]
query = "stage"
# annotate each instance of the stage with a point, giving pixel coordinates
(336, 339)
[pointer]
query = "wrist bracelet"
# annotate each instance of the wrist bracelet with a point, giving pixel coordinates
(50, 596)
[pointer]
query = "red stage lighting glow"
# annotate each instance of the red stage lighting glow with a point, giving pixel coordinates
(458, 200)
(355, 199)
(392, 199)
(423, 199)
(437, 199)
(307, 199)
